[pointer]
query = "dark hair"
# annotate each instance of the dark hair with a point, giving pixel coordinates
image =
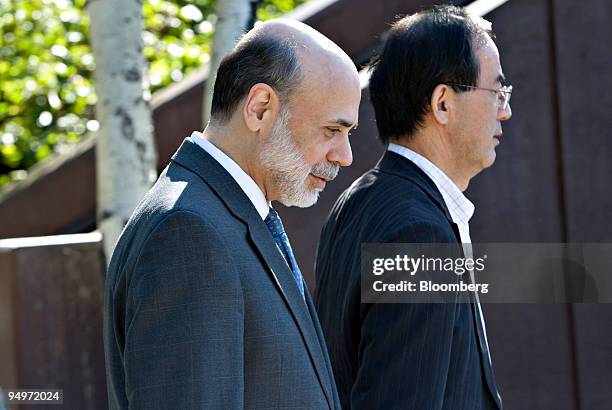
(423, 50)
(260, 59)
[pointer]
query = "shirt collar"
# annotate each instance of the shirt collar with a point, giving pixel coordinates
(460, 208)
(246, 183)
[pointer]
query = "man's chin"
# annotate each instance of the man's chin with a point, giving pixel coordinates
(306, 201)
(490, 160)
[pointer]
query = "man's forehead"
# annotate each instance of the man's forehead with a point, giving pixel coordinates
(342, 108)
(490, 66)
(333, 98)
(331, 109)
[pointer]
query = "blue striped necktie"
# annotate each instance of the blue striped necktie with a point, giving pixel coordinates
(275, 226)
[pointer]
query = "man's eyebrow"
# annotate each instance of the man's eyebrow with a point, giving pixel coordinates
(344, 123)
(501, 79)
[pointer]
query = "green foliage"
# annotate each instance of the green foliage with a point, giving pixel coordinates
(47, 95)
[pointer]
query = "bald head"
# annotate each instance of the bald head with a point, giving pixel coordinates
(287, 55)
(308, 42)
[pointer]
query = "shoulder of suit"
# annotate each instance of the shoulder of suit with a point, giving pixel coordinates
(390, 190)
(179, 188)
(387, 202)
(177, 192)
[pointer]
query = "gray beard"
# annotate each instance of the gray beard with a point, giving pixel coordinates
(288, 170)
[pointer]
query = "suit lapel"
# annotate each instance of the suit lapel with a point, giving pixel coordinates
(190, 156)
(288, 288)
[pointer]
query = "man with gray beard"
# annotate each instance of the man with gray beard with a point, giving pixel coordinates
(205, 306)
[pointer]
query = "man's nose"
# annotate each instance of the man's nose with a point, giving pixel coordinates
(505, 114)
(341, 152)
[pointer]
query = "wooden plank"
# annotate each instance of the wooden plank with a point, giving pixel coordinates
(582, 46)
(531, 353)
(60, 197)
(584, 51)
(8, 339)
(58, 321)
(593, 324)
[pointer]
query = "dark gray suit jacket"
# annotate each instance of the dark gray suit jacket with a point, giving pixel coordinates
(201, 311)
(397, 356)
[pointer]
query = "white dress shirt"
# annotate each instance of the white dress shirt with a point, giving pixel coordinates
(246, 183)
(459, 207)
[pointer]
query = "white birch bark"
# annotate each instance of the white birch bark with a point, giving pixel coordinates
(232, 19)
(125, 148)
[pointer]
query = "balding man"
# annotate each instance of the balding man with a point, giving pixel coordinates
(205, 306)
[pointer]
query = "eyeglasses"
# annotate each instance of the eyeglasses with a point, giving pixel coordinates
(503, 94)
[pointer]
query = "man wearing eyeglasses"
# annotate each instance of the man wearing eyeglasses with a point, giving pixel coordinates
(440, 98)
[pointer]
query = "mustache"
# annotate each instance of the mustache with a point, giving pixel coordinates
(325, 170)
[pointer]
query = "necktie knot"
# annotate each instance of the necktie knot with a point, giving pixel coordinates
(274, 223)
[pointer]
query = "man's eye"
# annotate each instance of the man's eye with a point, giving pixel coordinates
(334, 129)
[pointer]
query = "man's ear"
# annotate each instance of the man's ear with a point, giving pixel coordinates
(260, 107)
(442, 103)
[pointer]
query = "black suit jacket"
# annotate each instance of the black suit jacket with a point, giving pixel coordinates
(201, 310)
(397, 356)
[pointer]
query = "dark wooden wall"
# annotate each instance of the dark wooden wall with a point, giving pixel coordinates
(51, 319)
(550, 183)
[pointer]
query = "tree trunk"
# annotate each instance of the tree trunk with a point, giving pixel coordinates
(232, 19)
(125, 149)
